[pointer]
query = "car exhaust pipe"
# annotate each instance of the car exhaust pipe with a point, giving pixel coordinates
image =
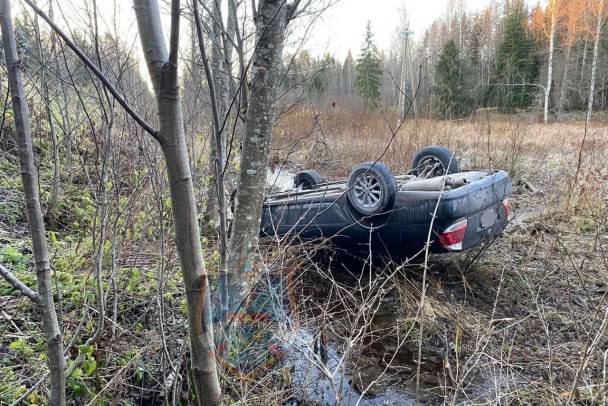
(440, 183)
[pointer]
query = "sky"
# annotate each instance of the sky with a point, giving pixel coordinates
(342, 27)
(335, 31)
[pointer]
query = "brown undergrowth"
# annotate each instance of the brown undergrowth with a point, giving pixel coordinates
(524, 320)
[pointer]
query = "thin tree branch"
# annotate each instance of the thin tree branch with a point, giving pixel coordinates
(292, 8)
(104, 80)
(219, 167)
(17, 284)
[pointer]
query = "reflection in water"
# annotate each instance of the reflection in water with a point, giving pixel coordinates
(332, 356)
(314, 386)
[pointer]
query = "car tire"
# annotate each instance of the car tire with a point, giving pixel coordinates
(308, 179)
(371, 188)
(434, 161)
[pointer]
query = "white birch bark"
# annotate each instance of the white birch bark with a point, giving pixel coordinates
(552, 6)
(596, 42)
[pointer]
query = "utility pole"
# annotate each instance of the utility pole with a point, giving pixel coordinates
(405, 62)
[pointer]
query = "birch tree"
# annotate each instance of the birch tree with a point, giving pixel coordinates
(553, 9)
(598, 7)
(163, 70)
(545, 23)
(29, 177)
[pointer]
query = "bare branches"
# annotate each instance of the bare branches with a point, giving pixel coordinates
(291, 9)
(218, 158)
(17, 284)
(119, 98)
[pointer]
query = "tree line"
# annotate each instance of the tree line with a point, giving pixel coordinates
(506, 56)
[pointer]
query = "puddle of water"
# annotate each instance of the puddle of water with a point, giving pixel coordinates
(280, 179)
(312, 372)
(327, 377)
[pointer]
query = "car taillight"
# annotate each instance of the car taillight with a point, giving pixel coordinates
(507, 205)
(453, 236)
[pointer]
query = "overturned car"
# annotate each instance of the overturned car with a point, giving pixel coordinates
(434, 203)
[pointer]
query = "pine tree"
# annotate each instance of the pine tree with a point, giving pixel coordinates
(369, 71)
(517, 63)
(475, 60)
(451, 87)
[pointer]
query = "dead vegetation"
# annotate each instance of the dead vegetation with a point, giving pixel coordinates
(525, 320)
(521, 322)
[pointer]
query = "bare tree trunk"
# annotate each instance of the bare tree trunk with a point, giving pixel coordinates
(404, 65)
(412, 81)
(162, 67)
(271, 22)
(217, 70)
(221, 54)
(29, 177)
(66, 126)
(582, 85)
(550, 62)
(596, 42)
(229, 42)
(210, 218)
(563, 90)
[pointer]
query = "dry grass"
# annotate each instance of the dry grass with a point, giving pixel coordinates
(527, 324)
(336, 140)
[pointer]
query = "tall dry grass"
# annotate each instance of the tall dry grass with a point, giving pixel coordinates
(336, 140)
(531, 314)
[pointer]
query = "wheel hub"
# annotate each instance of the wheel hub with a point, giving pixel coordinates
(368, 191)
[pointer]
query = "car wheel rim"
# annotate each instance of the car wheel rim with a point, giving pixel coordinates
(429, 167)
(368, 191)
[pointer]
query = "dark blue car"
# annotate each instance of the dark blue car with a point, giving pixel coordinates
(453, 210)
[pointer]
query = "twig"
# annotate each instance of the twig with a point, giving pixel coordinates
(30, 390)
(17, 284)
(116, 375)
(140, 120)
